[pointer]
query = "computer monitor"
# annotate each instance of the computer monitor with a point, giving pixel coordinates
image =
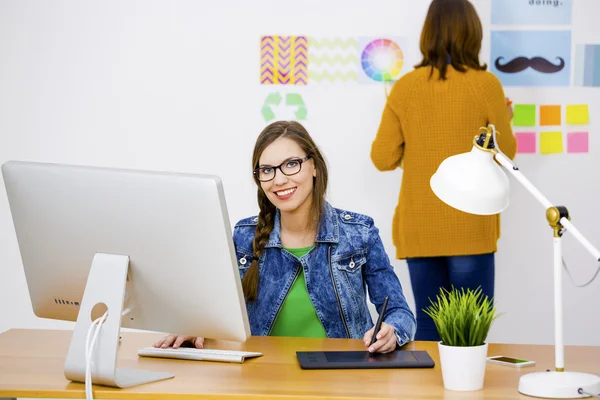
(156, 244)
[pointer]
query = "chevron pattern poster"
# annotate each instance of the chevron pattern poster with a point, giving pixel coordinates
(333, 60)
(284, 60)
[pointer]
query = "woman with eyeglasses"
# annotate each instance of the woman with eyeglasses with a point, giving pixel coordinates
(305, 265)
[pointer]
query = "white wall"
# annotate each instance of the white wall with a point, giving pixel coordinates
(174, 86)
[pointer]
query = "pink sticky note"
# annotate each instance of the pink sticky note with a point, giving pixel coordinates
(577, 142)
(525, 142)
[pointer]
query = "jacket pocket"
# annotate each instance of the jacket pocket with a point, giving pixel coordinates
(244, 260)
(349, 269)
(351, 264)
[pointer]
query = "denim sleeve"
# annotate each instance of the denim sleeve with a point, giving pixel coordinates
(236, 237)
(238, 244)
(382, 281)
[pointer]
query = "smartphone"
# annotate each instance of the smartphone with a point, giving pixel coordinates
(513, 362)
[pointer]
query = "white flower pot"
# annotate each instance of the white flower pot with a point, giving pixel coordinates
(463, 368)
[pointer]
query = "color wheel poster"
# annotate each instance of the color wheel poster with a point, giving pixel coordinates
(382, 59)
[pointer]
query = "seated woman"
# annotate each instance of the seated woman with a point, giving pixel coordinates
(305, 265)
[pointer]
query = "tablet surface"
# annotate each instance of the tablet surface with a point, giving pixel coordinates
(363, 359)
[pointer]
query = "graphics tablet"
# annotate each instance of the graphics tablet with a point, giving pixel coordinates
(363, 359)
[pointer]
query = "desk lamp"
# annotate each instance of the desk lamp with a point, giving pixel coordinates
(474, 183)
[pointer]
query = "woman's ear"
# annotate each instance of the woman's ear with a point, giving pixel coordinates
(314, 172)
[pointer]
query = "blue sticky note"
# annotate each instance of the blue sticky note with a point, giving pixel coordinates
(531, 58)
(532, 12)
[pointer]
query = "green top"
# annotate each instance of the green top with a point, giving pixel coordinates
(297, 316)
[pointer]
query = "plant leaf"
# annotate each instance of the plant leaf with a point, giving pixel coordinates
(462, 317)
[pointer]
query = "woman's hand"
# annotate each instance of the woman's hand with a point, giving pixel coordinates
(177, 340)
(386, 339)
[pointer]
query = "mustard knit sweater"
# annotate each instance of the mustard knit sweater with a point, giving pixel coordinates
(424, 122)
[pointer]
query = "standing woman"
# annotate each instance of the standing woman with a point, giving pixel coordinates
(432, 113)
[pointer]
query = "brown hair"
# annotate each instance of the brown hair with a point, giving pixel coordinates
(452, 34)
(266, 216)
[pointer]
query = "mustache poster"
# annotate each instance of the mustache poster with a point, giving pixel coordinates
(531, 58)
(519, 64)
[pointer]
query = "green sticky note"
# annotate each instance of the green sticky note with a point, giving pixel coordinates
(551, 142)
(578, 114)
(524, 115)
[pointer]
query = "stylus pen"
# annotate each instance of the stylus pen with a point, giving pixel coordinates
(379, 321)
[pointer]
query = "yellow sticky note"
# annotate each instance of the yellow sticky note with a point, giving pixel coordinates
(578, 114)
(551, 142)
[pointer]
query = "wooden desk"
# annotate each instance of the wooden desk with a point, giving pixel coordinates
(31, 365)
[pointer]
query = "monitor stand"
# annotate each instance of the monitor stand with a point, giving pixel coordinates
(106, 285)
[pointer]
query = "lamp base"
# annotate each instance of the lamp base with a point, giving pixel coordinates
(559, 385)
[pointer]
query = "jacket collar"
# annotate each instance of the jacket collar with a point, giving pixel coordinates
(329, 231)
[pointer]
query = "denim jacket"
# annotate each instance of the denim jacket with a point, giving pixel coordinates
(347, 258)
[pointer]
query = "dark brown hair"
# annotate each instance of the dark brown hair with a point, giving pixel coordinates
(452, 34)
(266, 216)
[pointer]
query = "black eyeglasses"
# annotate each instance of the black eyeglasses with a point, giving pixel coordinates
(289, 167)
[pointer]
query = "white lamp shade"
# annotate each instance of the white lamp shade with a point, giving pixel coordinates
(472, 182)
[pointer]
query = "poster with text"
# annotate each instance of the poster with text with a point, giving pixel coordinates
(531, 58)
(531, 12)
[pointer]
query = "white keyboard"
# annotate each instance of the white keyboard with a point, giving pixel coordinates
(188, 353)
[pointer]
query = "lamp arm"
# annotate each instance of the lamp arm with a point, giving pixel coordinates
(516, 173)
(558, 217)
(579, 236)
(564, 220)
(560, 383)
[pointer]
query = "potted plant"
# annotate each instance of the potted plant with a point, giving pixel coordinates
(463, 319)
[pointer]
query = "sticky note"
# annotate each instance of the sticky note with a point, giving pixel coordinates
(578, 114)
(549, 115)
(524, 115)
(525, 142)
(551, 142)
(577, 142)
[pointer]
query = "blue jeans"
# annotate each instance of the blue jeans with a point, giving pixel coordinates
(429, 274)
